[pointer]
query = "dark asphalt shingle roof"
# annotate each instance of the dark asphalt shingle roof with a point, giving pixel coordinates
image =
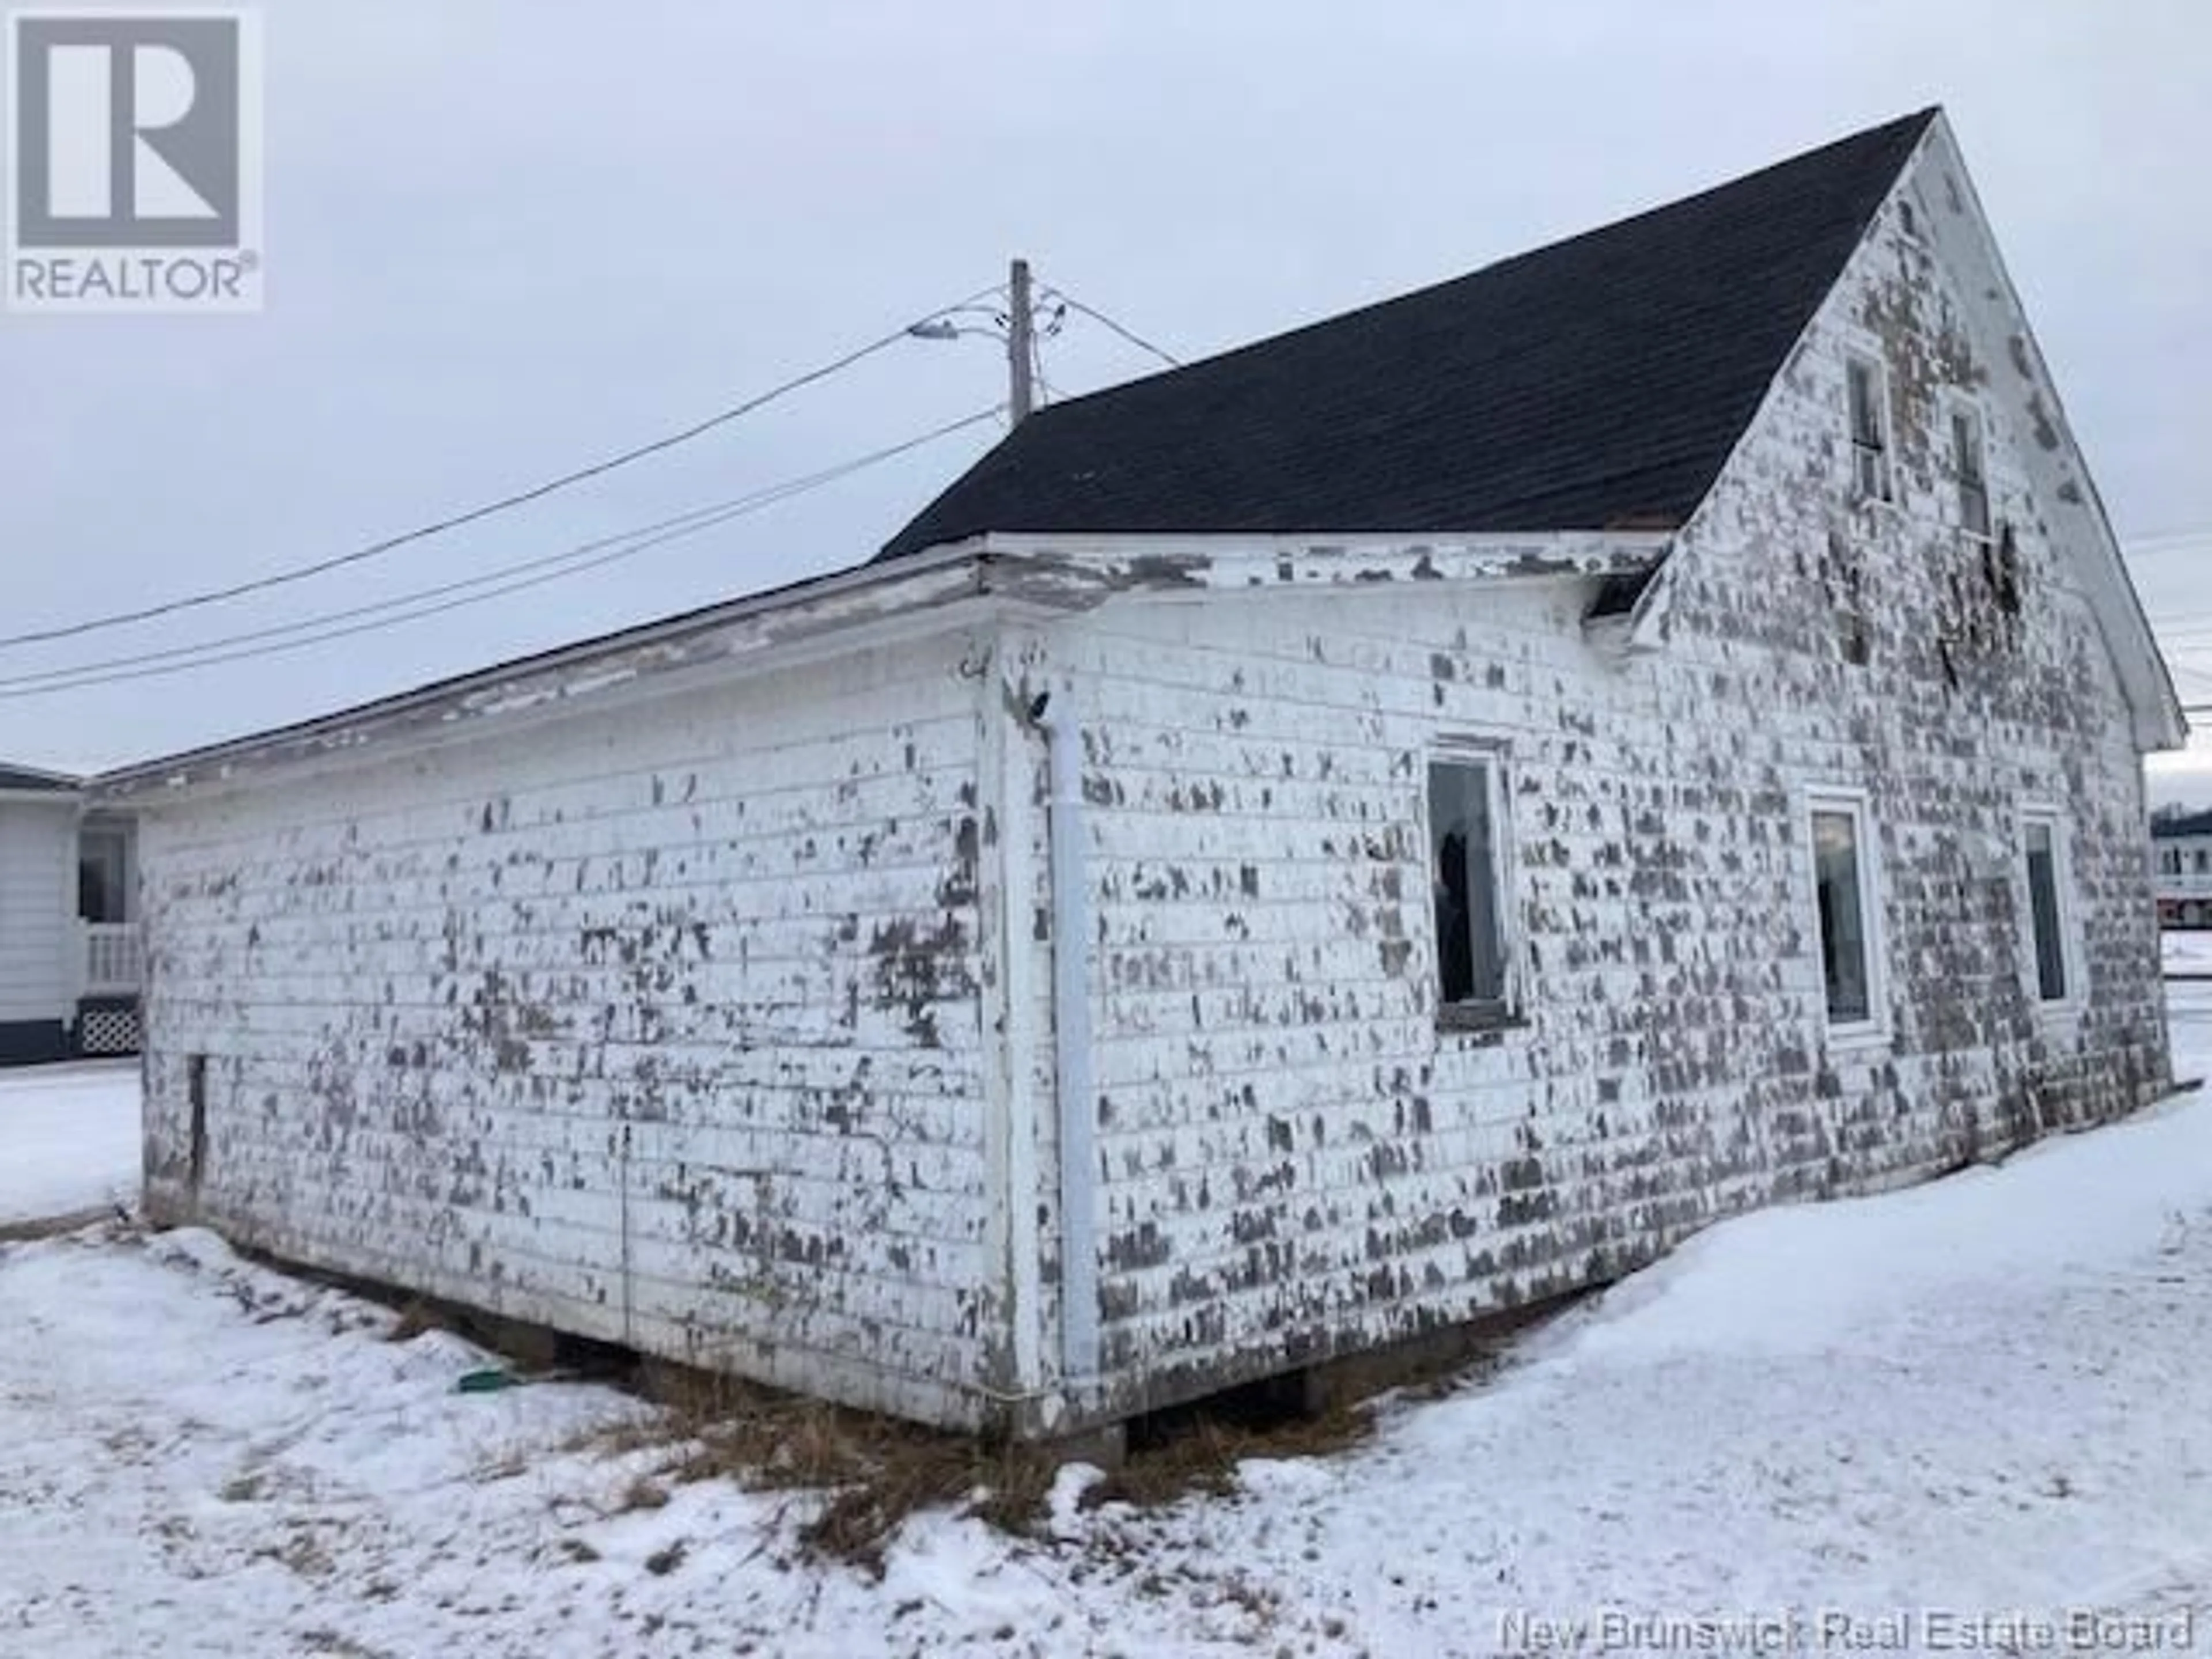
(1600, 382)
(17, 777)
(2178, 825)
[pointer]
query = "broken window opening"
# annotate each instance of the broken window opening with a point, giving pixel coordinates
(1870, 419)
(196, 1129)
(1466, 861)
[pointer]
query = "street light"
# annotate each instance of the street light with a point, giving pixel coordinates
(1018, 335)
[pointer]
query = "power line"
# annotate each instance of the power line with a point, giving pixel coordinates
(1096, 316)
(530, 573)
(519, 498)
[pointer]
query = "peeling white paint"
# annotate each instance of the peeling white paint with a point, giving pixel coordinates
(722, 1023)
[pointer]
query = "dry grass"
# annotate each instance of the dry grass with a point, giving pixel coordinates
(643, 1492)
(416, 1316)
(874, 1472)
(30, 1232)
(301, 1551)
(1195, 1452)
(506, 1465)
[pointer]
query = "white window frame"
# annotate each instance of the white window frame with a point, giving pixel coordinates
(2062, 881)
(1495, 756)
(1871, 359)
(1874, 1028)
(1957, 407)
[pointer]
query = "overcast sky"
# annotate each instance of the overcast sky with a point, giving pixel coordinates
(506, 238)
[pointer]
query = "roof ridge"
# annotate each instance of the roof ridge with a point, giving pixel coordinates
(1865, 135)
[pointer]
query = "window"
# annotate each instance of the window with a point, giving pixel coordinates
(1870, 414)
(1967, 460)
(2045, 904)
(1844, 897)
(1467, 812)
(103, 882)
(2204, 862)
(196, 1104)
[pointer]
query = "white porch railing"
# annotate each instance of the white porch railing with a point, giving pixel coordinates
(114, 960)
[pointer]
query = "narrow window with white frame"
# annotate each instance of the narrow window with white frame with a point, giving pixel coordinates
(1467, 861)
(2046, 903)
(1843, 898)
(1868, 395)
(1969, 460)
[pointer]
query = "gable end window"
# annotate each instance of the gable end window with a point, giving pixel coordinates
(1843, 901)
(1467, 861)
(1969, 460)
(1869, 417)
(2045, 856)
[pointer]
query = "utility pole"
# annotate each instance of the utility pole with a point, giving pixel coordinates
(1022, 395)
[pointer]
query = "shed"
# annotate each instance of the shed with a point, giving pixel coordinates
(1283, 858)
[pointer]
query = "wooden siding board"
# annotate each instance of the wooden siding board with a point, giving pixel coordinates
(38, 852)
(679, 999)
(1294, 1162)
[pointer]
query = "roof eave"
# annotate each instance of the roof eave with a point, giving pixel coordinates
(769, 627)
(1062, 570)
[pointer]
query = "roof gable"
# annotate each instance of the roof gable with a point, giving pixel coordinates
(2066, 496)
(1598, 382)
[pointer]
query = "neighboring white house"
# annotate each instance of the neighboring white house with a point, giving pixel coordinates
(2181, 846)
(69, 939)
(1283, 858)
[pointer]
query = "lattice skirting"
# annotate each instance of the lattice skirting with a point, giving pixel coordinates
(107, 1032)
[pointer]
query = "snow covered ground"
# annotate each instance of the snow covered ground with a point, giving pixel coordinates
(69, 1138)
(1919, 1422)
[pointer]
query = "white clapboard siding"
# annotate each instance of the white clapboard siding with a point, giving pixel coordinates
(1295, 1161)
(657, 1026)
(37, 908)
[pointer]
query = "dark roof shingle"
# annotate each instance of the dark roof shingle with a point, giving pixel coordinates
(28, 781)
(1598, 382)
(2176, 825)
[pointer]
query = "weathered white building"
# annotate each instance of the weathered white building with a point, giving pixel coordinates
(1283, 858)
(69, 938)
